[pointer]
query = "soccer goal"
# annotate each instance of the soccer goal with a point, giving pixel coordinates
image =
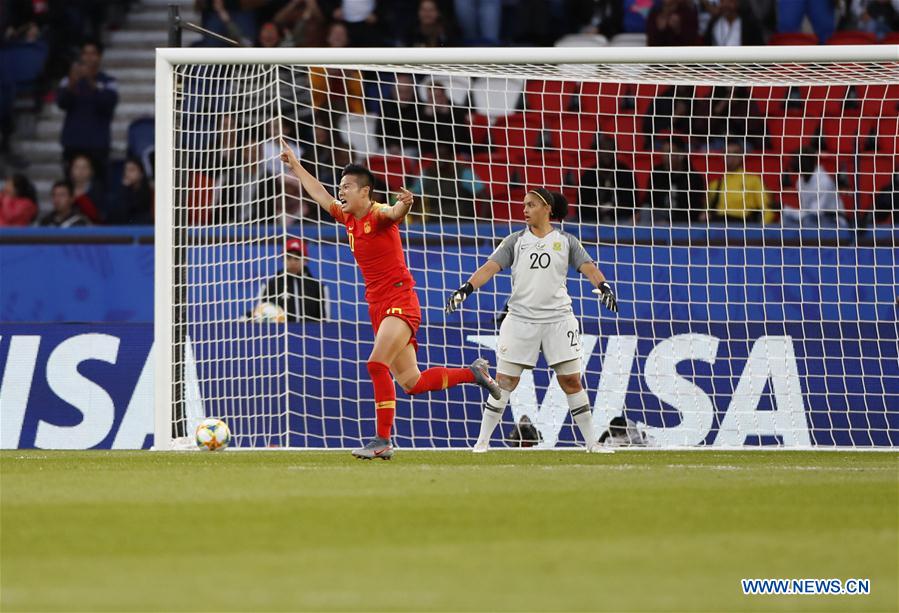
(741, 201)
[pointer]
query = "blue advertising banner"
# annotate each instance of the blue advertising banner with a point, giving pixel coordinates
(90, 385)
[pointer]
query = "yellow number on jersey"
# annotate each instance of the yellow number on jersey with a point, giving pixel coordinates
(352, 241)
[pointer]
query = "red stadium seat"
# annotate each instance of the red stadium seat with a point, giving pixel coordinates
(511, 138)
(852, 37)
(394, 171)
(887, 135)
(873, 173)
(890, 39)
(845, 135)
(549, 96)
(790, 134)
(480, 128)
(711, 165)
(771, 100)
(793, 38)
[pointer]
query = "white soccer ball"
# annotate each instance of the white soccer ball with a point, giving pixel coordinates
(269, 313)
(213, 434)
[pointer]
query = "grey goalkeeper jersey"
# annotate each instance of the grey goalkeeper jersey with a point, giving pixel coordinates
(540, 273)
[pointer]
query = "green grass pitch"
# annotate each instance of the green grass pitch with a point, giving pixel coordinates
(435, 531)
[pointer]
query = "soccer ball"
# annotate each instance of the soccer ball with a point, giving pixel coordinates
(213, 434)
(269, 313)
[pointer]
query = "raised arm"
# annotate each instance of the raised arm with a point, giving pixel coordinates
(311, 185)
(404, 201)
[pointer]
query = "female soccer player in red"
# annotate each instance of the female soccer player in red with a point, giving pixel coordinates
(392, 303)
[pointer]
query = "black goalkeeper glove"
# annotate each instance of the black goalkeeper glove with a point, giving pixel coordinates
(607, 296)
(457, 297)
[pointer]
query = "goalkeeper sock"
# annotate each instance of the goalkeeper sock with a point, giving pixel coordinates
(440, 378)
(385, 397)
(579, 405)
(493, 413)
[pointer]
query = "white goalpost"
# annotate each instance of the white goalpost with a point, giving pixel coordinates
(741, 201)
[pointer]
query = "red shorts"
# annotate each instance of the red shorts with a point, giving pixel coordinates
(404, 306)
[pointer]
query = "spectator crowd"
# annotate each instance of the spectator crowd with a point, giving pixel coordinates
(432, 133)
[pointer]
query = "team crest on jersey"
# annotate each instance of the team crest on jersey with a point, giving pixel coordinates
(557, 246)
(367, 228)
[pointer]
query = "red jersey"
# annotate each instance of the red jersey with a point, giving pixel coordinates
(375, 243)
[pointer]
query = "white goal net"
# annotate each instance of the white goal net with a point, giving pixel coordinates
(742, 206)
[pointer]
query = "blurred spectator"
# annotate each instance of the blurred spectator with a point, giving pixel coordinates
(230, 29)
(441, 121)
(821, 14)
(280, 127)
(88, 195)
(18, 201)
(886, 203)
(135, 201)
(63, 214)
(337, 89)
(597, 16)
(671, 112)
(735, 25)
(738, 195)
(399, 117)
(296, 292)
(360, 17)
(635, 13)
(539, 22)
(672, 23)
(330, 155)
(270, 37)
(607, 191)
(729, 113)
(819, 203)
(479, 20)
(431, 30)
(89, 97)
(879, 17)
(448, 188)
(676, 192)
(305, 21)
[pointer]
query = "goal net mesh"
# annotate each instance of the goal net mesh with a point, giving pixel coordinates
(744, 214)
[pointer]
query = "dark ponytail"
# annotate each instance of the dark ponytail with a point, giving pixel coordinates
(559, 206)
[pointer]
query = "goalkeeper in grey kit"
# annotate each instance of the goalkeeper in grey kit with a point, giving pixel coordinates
(540, 314)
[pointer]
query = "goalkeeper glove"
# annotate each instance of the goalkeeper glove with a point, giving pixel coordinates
(607, 296)
(457, 297)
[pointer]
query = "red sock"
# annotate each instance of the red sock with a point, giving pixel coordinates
(440, 378)
(385, 397)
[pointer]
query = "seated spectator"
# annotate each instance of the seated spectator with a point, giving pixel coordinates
(337, 89)
(819, 202)
(738, 195)
(879, 17)
(271, 37)
(88, 195)
(64, 214)
(297, 292)
(135, 201)
(735, 25)
(671, 112)
(730, 113)
(597, 16)
(676, 192)
(228, 18)
(330, 155)
(431, 30)
(607, 191)
(280, 127)
(821, 14)
(479, 20)
(360, 17)
(305, 22)
(89, 97)
(449, 188)
(399, 117)
(18, 202)
(228, 27)
(442, 122)
(886, 203)
(634, 17)
(672, 23)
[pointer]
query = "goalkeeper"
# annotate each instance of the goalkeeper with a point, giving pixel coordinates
(540, 315)
(393, 307)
